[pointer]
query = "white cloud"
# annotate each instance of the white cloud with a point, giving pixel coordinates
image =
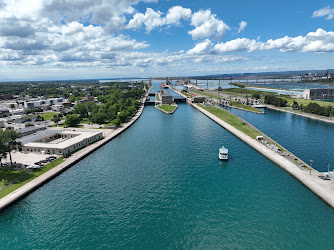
(327, 11)
(242, 26)
(239, 44)
(319, 41)
(177, 13)
(153, 19)
(207, 25)
(201, 48)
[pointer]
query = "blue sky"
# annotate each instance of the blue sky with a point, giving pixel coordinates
(78, 39)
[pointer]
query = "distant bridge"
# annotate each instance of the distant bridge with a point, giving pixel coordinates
(230, 80)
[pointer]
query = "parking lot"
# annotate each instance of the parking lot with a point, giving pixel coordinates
(28, 159)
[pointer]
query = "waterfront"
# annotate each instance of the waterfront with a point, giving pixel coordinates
(160, 185)
(307, 138)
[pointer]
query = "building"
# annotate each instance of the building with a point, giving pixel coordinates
(4, 112)
(29, 130)
(58, 108)
(87, 98)
(58, 141)
(6, 97)
(42, 103)
(199, 99)
(166, 98)
(318, 93)
(2, 123)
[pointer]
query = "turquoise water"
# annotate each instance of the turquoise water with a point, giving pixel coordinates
(307, 138)
(160, 185)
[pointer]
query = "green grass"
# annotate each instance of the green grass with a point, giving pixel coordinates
(186, 94)
(48, 115)
(203, 93)
(167, 108)
(84, 121)
(306, 102)
(246, 107)
(23, 177)
(232, 120)
(249, 91)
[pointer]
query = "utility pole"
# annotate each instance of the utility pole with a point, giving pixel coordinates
(247, 96)
(218, 93)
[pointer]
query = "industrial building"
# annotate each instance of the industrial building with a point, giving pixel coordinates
(42, 103)
(318, 93)
(166, 98)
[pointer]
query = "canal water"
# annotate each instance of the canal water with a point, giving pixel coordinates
(307, 138)
(160, 185)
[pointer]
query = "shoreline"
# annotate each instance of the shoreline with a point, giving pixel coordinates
(301, 114)
(69, 162)
(323, 189)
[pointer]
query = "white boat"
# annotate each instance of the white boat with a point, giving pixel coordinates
(223, 153)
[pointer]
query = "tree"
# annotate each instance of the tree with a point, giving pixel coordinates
(72, 120)
(56, 119)
(122, 116)
(295, 105)
(256, 95)
(3, 147)
(29, 125)
(81, 110)
(12, 106)
(99, 118)
(117, 122)
(71, 98)
(9, 142)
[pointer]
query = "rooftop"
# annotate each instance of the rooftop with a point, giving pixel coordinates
(29, 129)
(38, 135)
(64, 143)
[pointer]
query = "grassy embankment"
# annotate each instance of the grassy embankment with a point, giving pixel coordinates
(234, 103)
(232, 120)
(186, 94)
(16, 179)
(242, 92)
(167, 108)
(306, 102)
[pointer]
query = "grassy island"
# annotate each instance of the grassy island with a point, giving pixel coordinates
(170, 109)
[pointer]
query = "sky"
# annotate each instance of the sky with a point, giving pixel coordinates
(100, 39)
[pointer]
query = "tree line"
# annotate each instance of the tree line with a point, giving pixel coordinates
(118, 106)
(314, 108)
(276, 101)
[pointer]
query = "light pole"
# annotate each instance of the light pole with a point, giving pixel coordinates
(311, 161)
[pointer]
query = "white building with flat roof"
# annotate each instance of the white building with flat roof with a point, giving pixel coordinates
(58, 142)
